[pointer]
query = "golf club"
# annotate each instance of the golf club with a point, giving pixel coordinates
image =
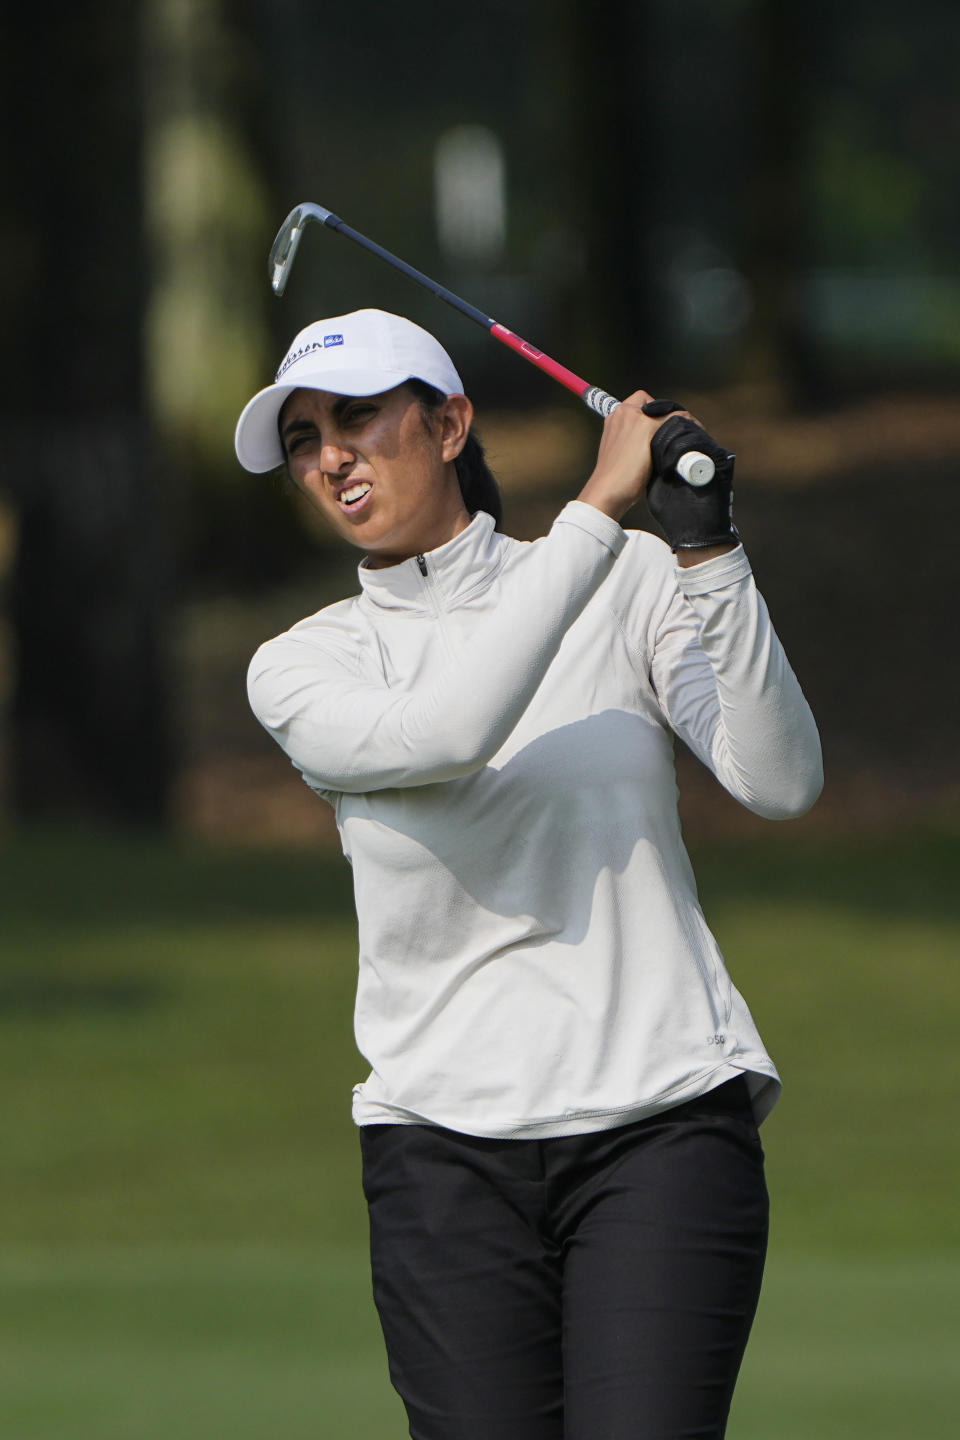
(694, 467)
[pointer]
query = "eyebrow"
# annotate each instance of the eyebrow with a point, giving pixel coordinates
(294, 426)
(338, 407)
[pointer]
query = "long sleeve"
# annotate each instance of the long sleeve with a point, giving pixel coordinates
(349, 733)
(727, 689)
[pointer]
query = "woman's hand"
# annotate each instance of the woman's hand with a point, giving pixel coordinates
(696, 519)
(624, 462)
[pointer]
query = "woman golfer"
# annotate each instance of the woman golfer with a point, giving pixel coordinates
(559, 1130)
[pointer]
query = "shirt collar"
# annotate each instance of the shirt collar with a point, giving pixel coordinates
(464, 564)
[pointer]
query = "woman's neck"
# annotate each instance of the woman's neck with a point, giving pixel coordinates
(446, 528)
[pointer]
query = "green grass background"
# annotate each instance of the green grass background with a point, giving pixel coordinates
(182, 1236)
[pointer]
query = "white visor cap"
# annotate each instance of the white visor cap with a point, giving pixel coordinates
(363, 353)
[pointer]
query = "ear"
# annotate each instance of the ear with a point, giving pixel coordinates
(456, 420)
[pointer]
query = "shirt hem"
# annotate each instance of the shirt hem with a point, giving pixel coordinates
(762, 1080)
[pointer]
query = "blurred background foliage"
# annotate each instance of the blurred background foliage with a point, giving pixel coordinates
(752, 205)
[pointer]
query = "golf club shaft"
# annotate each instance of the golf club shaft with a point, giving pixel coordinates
(699, 468)
(599, 401)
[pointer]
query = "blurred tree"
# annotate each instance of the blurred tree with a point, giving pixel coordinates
(89, 588)
(779, 358)
(135, 219)
(211, 213)
(884, 198)
(610, 175)
(851, 204)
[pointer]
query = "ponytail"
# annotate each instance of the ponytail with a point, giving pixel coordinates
(478, 485)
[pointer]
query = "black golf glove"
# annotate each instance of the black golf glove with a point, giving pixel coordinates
(690, 516)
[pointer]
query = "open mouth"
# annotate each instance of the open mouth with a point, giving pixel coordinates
(353, 497)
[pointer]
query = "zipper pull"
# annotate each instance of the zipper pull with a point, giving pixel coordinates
(423, 564)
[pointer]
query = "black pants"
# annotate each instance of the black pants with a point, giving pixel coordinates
(589, 1287)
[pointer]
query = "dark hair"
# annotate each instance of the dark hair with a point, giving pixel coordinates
(478, 485)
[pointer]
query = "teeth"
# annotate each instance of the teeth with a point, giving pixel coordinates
(356, 491)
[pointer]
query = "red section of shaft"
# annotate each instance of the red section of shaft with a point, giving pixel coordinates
(529, 352)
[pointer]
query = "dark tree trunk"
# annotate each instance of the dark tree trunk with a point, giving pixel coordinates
(779, 352)
(89, 590)
(609, 177)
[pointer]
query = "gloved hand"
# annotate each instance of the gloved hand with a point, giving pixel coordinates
(690, 516)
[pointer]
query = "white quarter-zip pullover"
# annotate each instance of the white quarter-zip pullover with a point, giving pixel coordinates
(492, 725)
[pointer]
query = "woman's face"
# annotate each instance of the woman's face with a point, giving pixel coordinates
(381, 475)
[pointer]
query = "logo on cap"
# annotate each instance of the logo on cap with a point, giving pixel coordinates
(329, 340)
(293, 357)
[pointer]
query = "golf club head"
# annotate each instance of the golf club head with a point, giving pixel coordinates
(284, 247)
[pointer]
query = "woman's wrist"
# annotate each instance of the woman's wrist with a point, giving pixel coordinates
(599, 494)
